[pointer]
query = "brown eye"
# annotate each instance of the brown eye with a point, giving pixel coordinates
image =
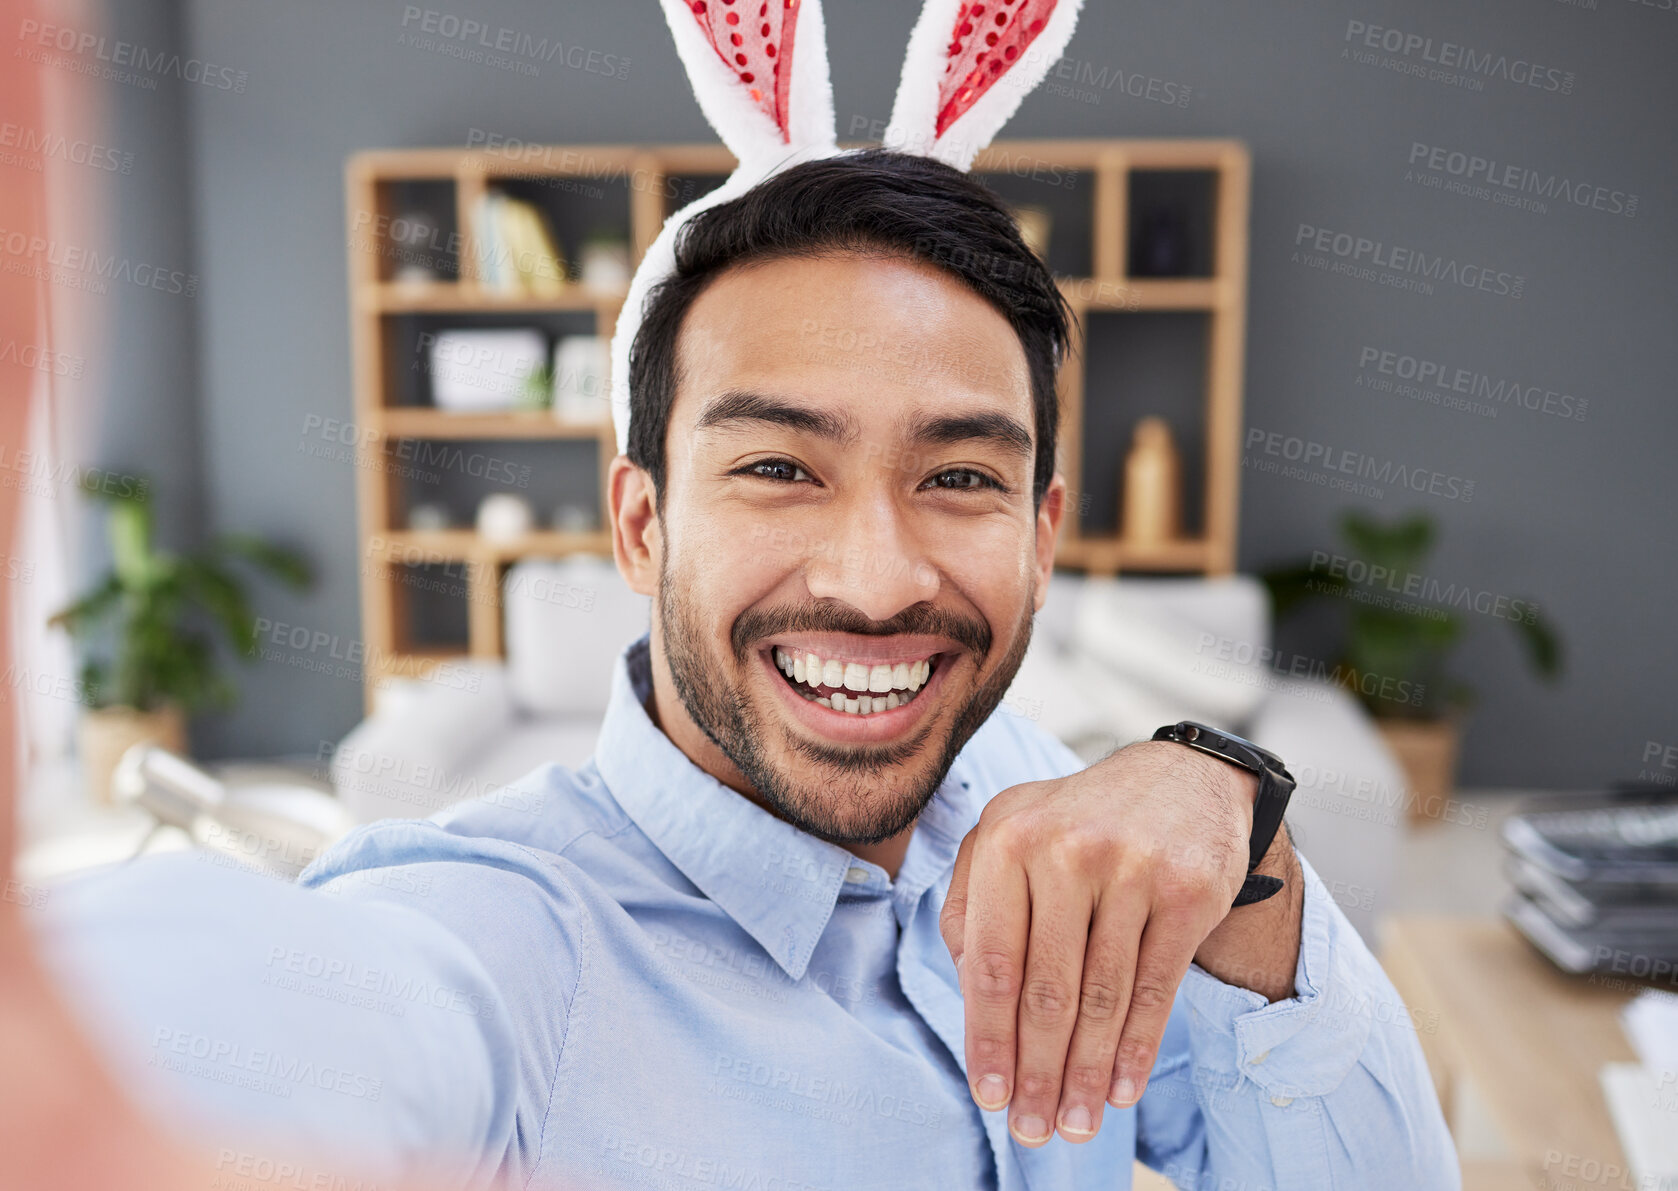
(776, 469)
(963, 479)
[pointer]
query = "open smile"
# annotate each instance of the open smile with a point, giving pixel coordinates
(868, 691)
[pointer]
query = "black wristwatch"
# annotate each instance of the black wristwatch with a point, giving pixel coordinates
(1275, 788)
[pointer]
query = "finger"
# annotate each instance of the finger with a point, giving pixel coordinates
(1168, 947)
(1109, 968)
(952, 920)
(993, 959)
(1061, 905)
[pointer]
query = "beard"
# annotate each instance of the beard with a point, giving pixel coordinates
(830, 791)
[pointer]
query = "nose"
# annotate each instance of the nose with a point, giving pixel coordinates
(877, 564)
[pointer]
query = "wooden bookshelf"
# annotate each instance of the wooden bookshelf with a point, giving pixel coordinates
(651, 181)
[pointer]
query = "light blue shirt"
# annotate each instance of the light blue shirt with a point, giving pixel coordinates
(631, 976)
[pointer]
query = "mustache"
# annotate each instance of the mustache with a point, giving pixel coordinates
(834, 616)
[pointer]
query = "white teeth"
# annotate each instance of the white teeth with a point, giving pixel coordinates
(878, 686)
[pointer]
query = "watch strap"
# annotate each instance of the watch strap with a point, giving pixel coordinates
(1256, 888)
(1275, 785)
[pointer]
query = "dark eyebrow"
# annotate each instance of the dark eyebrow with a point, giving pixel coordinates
(741, 406)
(995, 428)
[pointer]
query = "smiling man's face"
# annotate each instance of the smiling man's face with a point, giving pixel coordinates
(848, 554)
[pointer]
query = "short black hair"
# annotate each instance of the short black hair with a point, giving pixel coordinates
(870, 200)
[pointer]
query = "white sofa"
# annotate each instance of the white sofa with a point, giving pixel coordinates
(1110, 661)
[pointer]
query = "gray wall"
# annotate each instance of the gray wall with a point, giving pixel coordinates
(1574, 514)
(146, 385)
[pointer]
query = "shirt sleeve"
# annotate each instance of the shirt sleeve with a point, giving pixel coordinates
(1327, 1089)
(363, 1025)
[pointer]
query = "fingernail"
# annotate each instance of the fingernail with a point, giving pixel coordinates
(992, 1092)
(1076, 1120)
(1031, 1129)
(959, 983)
(1124, 1091)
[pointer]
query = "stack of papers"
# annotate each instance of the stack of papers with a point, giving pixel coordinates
(1595, 880)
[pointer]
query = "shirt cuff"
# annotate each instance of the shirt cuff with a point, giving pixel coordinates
(1302, 1046)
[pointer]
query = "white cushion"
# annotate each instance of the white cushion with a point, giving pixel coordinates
(566, 622)
(1198, 644)
(533, 741)
(418, 745)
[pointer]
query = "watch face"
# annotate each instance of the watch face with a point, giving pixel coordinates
(1223, 743)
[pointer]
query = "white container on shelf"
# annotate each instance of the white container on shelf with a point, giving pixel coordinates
(503, 517)
(579, 367)
(480, 371)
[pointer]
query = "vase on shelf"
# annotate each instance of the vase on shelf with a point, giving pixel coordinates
(1152, 508)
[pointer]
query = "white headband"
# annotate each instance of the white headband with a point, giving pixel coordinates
(759, 71)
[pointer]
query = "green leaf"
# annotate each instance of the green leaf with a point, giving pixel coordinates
(130, 528)
(1291, 587)
(1542, 644)
(222, 595)
(288, 566)
(79, 617)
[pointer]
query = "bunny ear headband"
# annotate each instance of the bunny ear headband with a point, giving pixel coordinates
(759, 70)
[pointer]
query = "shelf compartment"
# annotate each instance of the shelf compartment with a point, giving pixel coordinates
(408, 224)
(433, 610)
(1136, 365)
(1171, 224)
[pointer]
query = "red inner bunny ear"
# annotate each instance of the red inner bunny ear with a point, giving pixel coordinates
(754, 39)
(989, 37)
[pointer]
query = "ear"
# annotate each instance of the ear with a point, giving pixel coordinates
(1049, 516)
(759, 71)
(969, 64)
(637, 535)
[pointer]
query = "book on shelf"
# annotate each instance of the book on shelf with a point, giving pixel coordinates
(516, 250)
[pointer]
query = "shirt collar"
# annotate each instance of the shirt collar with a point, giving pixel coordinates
(778, 883)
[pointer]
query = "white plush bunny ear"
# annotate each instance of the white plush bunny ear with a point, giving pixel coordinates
(759, 70)
(970, 63)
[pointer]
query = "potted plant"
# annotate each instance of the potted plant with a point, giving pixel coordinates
(1400, 628)
(148, 659)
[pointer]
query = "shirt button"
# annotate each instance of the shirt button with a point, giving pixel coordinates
(1258, 1058)
(1281, 1101)
(856, 876)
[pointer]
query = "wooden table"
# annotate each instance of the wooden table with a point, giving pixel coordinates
(1519, 1043)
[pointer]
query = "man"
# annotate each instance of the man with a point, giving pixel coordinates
(813, 916)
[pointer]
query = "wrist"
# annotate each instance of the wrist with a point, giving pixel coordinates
(1238, 785)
